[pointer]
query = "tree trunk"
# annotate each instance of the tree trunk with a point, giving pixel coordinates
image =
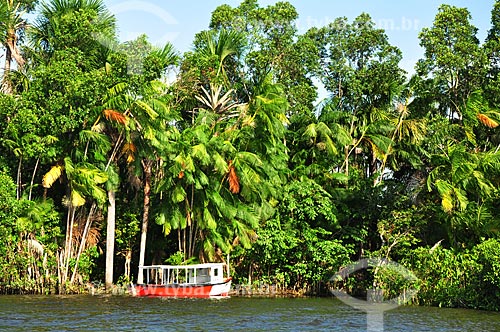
(13, 49)
(146, 164)
(11, 52)
(33, 178)
(128, 260)
(19, 180)
(69, 241)
(6, 85)
(83, 242)
(110, 239)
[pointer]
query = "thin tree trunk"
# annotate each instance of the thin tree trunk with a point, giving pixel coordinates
(19, 180)
(146, 164)
(110, 239)
(250, 272)
(184, 232)
(346, 163)
(195, 237)
(192, 224)
(69, 242)
(128, 260)
(66, 239)
(111, 221)
(60, 265)
(33, 178)
(179, 238)
(84, 240)
(115, 150)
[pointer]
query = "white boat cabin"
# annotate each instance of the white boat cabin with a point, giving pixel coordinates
(208, 273)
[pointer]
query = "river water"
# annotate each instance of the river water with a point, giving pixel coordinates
(124, 313)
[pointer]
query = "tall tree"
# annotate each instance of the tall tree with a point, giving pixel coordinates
(83, 181)
(274, 47)
(226, 168)
(147, 116)
(361, 70)
(140, 114)
(453, 61)
(492, 47)
(220, 46)
(83, 25)
(12, 27)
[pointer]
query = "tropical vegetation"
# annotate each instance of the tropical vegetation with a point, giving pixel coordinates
(107, 163)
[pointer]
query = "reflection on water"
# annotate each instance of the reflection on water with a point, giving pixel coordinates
(123, 313)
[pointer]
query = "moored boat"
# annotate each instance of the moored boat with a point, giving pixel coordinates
(198, 280)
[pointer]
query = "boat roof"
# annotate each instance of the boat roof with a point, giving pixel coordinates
(192, 266)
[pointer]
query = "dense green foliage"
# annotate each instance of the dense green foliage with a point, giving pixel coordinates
(99, 154)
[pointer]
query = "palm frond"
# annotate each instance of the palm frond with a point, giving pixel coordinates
(220, 163)
(115, 116)
(129, 149)
(76, 199)
(234, 181)
(51, 176)
(199, 152)
(208, 219)
(226, 210)
(101, 140)
(117, 89)
(487, 121)
(148, 109)
(446, 192)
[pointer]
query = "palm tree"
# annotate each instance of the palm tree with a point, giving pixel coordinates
(479, 121)
(155, 118)
(12, 24)
(466, 183)
(406, 129)
(55, 28)
(84, 181)
(317, 145)
(208, 182)
(222, 45)
(35, 236)
(144, 120)
(152, 121)
(226, 168)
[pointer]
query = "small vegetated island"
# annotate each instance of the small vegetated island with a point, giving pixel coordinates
(117, 155)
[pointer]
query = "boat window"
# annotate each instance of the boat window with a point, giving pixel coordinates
(216, 272)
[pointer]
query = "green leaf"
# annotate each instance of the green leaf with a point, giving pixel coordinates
(179, 194)
(445, 190)
(77, 199)
(209, 219)
(147, 108)
(199, 152)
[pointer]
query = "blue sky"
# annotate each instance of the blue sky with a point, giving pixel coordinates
(178, 21)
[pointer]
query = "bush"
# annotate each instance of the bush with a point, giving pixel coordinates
(452, 278)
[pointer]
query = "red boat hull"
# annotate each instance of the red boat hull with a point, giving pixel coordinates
(183, 290)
